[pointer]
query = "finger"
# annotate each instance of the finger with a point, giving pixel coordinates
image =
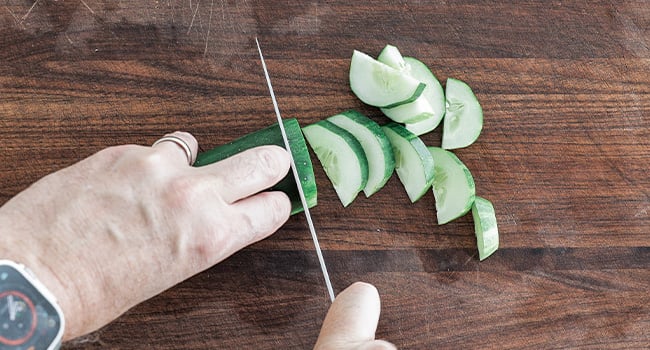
(264, 214)
(250, 172)
(178, 145)
(352, 320)
(376, 345)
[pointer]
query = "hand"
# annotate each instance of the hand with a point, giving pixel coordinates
(352, 320)
(131, 221)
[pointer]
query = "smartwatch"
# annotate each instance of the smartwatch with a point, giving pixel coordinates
(30, 318)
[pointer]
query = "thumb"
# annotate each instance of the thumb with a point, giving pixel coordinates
(352, 320)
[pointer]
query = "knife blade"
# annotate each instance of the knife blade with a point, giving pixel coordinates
(301, 193)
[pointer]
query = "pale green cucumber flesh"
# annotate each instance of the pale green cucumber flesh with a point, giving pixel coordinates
(464, 117)
(413, 112)
(422, 127)
(433, 94)
(341, 156)
(428, 109)
(273, 136)
(376, 146)
(453, 186)
(380, 85)
(391, 56)
(485, 227)
(413, 161)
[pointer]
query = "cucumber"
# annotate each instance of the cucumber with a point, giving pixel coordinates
(409, 112)
(414, 112)
(341, 156)
(376, 147)
(464, 117)
(391, 56)
(273, 136)
(423, 126)
(430, 106)
(380, 85)
(413, 161)
(433, 94)
(453, 186)
(485, 227)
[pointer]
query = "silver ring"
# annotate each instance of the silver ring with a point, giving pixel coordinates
(180, 142)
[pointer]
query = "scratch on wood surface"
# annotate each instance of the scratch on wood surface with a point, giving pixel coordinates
(634, 39)
(207, 35)
(13, 15)
(194, 15)
(68, 38)
(88, 7)
(29, 12)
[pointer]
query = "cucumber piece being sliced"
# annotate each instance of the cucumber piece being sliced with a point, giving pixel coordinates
(273, 136)
(380, 85)
(464, 117)
(413, 161)
(376, 146)
(341, 156)
(453, 186)
(485, 227)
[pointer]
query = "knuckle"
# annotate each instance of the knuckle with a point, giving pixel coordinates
(277, 207)
(180, 192)
(270, 162)
(150, 162)
(113, 153)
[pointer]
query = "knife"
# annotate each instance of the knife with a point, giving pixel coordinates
(310, 222)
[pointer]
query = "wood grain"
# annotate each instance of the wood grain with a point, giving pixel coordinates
(564, 156)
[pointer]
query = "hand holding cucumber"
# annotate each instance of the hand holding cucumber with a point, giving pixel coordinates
(131, 221)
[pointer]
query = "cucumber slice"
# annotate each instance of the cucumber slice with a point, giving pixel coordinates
(430, 106)
(391, 56)
(464, 118)
(485, 227)
(453, 186)
(413, 161)
(414, 112)
(376, 146)
(433, 94)
(341, 156)
(273, 136)
(422, 127)
(380, 85)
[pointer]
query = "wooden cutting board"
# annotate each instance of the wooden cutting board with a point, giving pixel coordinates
(564, 156)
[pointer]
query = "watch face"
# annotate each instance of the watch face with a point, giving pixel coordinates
(28, 321)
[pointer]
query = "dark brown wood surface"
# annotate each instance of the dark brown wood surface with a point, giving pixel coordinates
(564, 156)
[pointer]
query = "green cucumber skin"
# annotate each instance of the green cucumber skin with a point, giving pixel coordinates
(348, 137)
(414, 97)
(485, 207)
(460, 92)
(352, 142)
(383, 141)
(273, 136)
(441, 156)
(422, 150)
(434, 93)
(358, 90)
(416, 142)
